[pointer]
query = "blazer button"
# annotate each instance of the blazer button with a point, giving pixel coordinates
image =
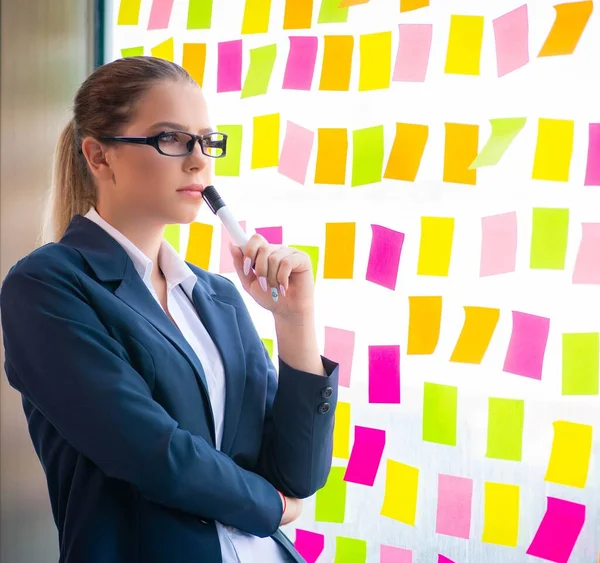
(327, 392)
(324, 408)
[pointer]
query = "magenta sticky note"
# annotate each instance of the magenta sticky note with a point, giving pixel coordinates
(498, 244)
(384, 256)
(226, 263)
(444, 559)
(527, 345)
(414, 46)
(384, 374)
(558, 531)
(229, 66)
(587, 263)
(273, 235)
(309, 544)
(160, 14)
(295, 152)
(391, 554)
(339, 347)
(455, 495)
(511, 32)
(365, 456)
(300, 65)
(592, 171)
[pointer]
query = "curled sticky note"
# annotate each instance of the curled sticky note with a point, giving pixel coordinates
(476, 334)
(592, 171)
(498, 244)
(407, 152)
(172, 234)
(164, 50)
(332, 153)
(511, 33)
(587, 265)
(194, 61)
(412, 57)
(464, 45)
(365, 456)
(571, 450)
(297, 14)
(384, 374)
(375, 61)
(435, 249)
(132, 52)
(506, 418)
(337, 63)
(330, 502)
(273, 235)
(295, 153)
(313, 254)
(553, 150)
(230, 165)
(440, 405)
(229, 69)
(501, 514)
(401, 492)
(571, 19)
(199, 244)
(384, 256)
(339, 347)
(160, 14)
(226, 263)
(455, 495)
(129, 12)
(341, 431)
(199, 14)
(460, 150)
(262, 61)
(265, 141)
(256, 16)
(367, 155)
(391, 554)
(310, 545)
(300, 65)
(549, 238)
(527, 345)
(330, 12)
(425, 319)
(580, 353)
(504, 131)
(410, 5)
(340, 239)
(350, 550)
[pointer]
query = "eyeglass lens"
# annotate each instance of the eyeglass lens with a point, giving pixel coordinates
(180, 144)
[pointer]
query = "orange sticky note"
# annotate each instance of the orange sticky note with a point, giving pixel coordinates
(298, 14)
(424, 322)
(265, 141)
(409, 5)
(339, 250)
(464, 45)
(477, 331)
(337, 63)
(350, 3)
(164, 50)
(199, 245)
(194, 60)
(332, 154)
(375, 61)
(407, 152)
(256, 16)
(129, 12)
(460, 150)
(571, 19)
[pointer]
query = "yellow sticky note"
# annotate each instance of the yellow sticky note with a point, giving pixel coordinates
(129, 12)
(339, 250)
(554, 149)
(401, 492)
(570, 458)
(478, 329)
(332, 154)
(164, 50)
(409, 5)
(265, 141)
(341, 431)
(256, 16)
(194, 60)
(407, 152)
(375, 61)
(199, 245)
(571, 19)
(460, 150)
(501, 514)
(337, 63)
(464, 45)
(298, 14)
(424, 322)
(437, 234)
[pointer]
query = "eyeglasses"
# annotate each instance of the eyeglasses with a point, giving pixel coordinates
(180, 143)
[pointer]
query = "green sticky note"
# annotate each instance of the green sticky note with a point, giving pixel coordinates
(262, 60)
(503, 134)
(505, 428)
(367, 155)
(440, 403)
(268, 342)
(229, 165)
(132, 52)
(330, 502)
(350, 550)
(549, 236)
(199, 14)
(313, 253)
(331, 13)
(580, 363)
(172, 235)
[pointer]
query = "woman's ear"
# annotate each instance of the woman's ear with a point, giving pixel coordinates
(96, 156)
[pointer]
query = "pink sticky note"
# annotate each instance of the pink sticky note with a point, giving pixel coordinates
(391, 554)
(384, 256)
(587, 264)
(558, 531)
(300, 65)
(384, 374)
(229, 70)
(511, 32)
(160, 14)
(592, 172)
(295, 153)
(339, 347)
(527, 346)
(226, 266)
(498, 244)
(414, 46)
(444, 559)
(273, 235)
(365, 456)
(309, 544)
(454, 506)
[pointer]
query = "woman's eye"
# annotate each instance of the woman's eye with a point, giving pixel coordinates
(169, 138)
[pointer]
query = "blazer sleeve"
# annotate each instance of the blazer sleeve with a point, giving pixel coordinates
(61, 357)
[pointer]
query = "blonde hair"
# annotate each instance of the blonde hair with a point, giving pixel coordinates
(103, 104)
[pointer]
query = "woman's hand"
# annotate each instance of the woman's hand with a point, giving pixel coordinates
(292, 512)
(286, 269)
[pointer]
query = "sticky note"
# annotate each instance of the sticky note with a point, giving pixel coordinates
(498, 244)
(160, 14)
(504, 131)
(226, 262)
(229, 69)
(330, 502)
(375, 61)
(273, 235)
(424, 322)
(549, 237)
(337, 63)
(350, 550)
(440, 404)
(407, 151)
(391, 554)
(332, 154)
(350, 3)
(229, 165)
(313, 254)
(384, 374)
(340, 239)
(435, 249)
(460, 150)
(298, 14)
(571, 450)
(132, 52)
(341, 431)
(527, 345)
(256, 16)
(558, 531)
(580, 352)
(339, 347)
(199, 244)
(476, 334)
(511, 34)
(384, 256)
(401, 492)
(501, 514)
(367, 155)
(330, 12)
(455, 495)
(309, 544)
(365, 456)
(464, 45)
(194, 60)
(592, 171)
(412, 57)
(129, 12)
(444, 559)
(172, 235)
(265, 141)
(409, 5)
(571, 19)
(199, 14)
(268, 343)
(262, 61)
(554, 149)
(300, 65)
(506, 418)
(295, 153)
(587, 265)
(164, 50)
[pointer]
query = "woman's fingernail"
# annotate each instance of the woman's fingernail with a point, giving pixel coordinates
(282, 290)
(263, 283)
(274, 294)
(247, 264)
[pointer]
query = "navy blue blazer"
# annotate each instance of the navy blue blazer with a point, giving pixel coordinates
(118, 411)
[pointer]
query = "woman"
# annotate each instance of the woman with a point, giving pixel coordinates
(163, 430)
